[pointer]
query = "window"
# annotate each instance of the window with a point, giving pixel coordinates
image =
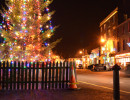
(113, 19)
(113, 44)
(129, 40)
(104, 26)
(118, 46)
(101, 29)
(128, 26)
(124, 45)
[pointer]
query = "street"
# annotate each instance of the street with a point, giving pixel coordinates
(104, 81)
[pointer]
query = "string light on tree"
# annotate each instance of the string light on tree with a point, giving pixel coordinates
(24, 28)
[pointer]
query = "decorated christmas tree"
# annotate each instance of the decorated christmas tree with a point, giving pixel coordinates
(26, 28)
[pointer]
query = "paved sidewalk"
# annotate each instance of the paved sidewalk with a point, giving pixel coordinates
(81, 94)
(87, 92)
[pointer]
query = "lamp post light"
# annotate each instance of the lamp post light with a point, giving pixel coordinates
(82, 52)
(101, 42)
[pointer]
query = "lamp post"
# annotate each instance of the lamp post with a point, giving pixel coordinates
(82, 52)
(101, 42)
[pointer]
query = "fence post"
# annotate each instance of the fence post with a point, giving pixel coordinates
(60, 74)
(46, 75)
(22, 75)
(116, 85)
(67, 80)
(14, 75)
(26, 75)
(18, 78)
(53, 74)
(11, 75)
(30, 76)
(0, 74)
(37, 72)
(33, 76)
(56, 75)
(63, 75)
(42, 85)
(49, 85)
(3, 76)
(7, 75)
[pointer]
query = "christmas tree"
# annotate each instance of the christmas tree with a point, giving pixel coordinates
(25, 28)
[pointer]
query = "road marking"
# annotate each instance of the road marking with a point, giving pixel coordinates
(102, 86)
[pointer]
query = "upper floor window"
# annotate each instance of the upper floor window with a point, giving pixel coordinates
(128, 26)
(118, 46)
(113, 19)
(101, 29)
(124, 44)
(104, 26)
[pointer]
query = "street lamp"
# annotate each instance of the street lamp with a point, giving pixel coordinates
(82, 52)
(102, 41)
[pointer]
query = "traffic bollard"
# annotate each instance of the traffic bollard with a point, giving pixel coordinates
(116, 85)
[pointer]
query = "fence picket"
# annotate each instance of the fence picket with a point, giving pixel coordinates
(53, 70)
(56, 75)
(14, 75)
(60, 74)
(26, 75)
(67, 68)
(42, 83)
(46, 75)
(33, 77)
(18, 78)
(0, 73)
(49, 76)
(22, 75)
(3, 76)
(63, 77)
(37, 72)
(7, 75)
(11, 75)
(29, 75)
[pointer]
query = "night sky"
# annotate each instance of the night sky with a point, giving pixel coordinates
(78, 22)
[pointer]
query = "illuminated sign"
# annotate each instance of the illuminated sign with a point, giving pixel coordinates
(128, 44)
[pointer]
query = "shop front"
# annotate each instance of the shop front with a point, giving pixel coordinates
(123, 60)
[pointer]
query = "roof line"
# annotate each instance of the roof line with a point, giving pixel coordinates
(109, 16)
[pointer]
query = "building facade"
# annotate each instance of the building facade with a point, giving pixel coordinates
(107, 47)
(115, 31)
(94, 57)
(122, 33)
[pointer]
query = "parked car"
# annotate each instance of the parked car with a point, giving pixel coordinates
(98, 67)
(108, 67)
(90, 67)
(127, 70)
(80, 66)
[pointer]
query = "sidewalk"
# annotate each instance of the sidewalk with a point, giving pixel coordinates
(82, 94)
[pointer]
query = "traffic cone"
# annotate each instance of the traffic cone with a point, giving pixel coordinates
(73, 83)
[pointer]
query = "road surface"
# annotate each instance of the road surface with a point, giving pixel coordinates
(103, 80)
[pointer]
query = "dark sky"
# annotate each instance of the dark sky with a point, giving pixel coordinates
(79, 23)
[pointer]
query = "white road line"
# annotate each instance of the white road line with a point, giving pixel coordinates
(102, 86)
